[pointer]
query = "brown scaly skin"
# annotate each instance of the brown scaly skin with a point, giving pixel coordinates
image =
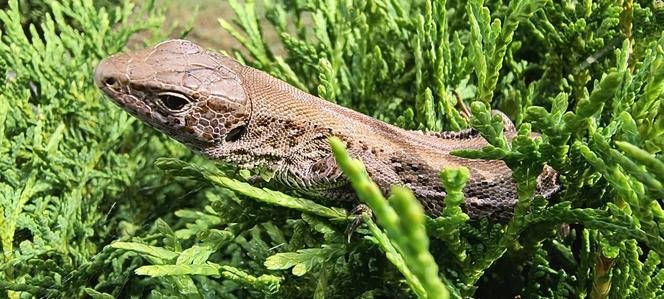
(241, 115)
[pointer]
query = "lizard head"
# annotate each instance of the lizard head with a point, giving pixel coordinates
(192, 94)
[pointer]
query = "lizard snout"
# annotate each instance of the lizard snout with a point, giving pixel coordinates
(107, 76)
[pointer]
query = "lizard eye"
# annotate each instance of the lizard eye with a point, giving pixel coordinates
(173, 101)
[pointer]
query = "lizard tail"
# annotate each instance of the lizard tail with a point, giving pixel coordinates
(547, 182)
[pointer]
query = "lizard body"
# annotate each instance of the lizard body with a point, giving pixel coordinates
(244, 116)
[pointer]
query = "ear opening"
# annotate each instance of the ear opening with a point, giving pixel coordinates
(236, 133)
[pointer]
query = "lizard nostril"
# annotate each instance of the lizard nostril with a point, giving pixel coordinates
(110, 82)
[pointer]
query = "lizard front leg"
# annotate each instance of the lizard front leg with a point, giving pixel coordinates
(320, 175)
(323, 178)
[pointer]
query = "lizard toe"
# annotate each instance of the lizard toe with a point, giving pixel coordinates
(357, 212)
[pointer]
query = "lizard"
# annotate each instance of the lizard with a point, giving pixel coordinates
(234, 113)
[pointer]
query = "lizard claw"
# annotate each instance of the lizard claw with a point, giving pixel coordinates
(357, 211)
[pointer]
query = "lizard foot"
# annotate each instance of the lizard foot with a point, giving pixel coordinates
(357, 211)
